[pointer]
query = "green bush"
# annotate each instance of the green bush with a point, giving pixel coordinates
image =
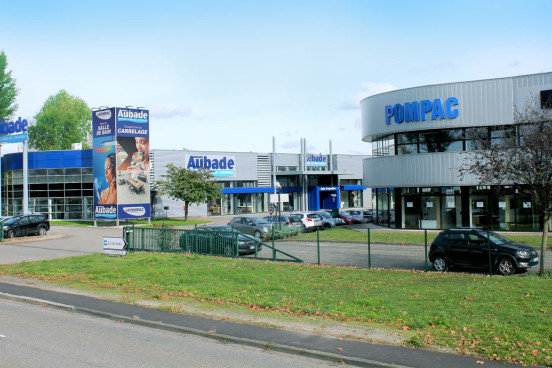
(283, 233)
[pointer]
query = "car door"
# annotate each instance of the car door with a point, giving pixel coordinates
(22, 226)
(240, 223)
(479, 250)
(457, 248)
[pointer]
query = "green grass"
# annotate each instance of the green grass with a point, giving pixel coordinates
(502, 318)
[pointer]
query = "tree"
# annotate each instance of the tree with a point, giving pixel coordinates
(8, 91)
(519, 154)
(189, 186)
(64, 119)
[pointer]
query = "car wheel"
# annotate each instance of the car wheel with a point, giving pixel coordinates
(440, 264)
(303, 228)
(506, 266)
(257, 234)
(42, 230)
(10, 234)
(327, 226)
(228, 251)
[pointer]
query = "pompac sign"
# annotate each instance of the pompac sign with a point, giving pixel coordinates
(419, 110)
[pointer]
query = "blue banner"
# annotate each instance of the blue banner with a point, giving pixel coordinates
(14, 138)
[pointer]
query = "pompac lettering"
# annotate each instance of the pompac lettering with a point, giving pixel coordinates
(419, 110)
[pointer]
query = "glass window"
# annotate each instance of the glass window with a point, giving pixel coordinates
(407, 149)
(441, 141)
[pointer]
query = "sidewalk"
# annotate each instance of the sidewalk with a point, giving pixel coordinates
(350, 352)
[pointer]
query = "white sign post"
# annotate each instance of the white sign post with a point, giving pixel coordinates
(114, 246)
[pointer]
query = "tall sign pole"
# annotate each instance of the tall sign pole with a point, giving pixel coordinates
(16, 132)
(25, 178)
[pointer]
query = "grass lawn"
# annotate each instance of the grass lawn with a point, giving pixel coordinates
(502, 318)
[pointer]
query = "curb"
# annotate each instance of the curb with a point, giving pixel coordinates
(265, 345)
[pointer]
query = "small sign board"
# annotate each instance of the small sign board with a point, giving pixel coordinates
(284, 198)
(114, 246)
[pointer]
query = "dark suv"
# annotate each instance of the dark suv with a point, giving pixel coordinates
(469, 247)
(25, 225)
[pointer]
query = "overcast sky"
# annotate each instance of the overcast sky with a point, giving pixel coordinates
(230, 75)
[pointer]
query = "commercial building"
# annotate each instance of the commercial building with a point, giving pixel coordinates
(418, 136)
(61, 182)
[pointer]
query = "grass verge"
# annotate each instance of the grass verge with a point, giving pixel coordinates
(502, 318)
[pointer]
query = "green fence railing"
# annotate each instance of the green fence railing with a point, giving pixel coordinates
(222, 243)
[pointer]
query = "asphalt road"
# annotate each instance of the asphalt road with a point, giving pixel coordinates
(34, 336)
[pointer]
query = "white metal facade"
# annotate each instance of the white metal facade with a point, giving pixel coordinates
(480, 103)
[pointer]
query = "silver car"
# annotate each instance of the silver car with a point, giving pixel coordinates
(285, 220)
(255, 226)
(327, 220)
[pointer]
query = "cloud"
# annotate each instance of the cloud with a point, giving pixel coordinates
(165, 112)
(366, 89)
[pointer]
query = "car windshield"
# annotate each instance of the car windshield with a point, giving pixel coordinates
(259, 221)
(12, 220)
(295, 218)
(344, 213)
(496, 238)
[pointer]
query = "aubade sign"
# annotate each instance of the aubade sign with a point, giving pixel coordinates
(420, 110)
(18, 126)
(8, 128)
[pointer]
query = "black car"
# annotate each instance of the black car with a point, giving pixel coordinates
(25, 225)
(470, 247)
(218, 240)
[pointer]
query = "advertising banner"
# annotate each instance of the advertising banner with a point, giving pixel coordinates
(133, 163)
(103, 161)
(121, 163)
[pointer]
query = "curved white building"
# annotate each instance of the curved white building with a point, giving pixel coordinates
(417, 137)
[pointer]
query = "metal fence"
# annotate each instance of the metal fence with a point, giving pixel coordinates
(199, 241)
(370, 248)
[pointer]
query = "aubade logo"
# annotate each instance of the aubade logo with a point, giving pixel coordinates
(18, 126)
(419, 110)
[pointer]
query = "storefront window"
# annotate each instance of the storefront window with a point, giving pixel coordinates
(244, 203)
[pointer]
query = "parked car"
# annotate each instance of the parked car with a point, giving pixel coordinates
(470, 247)
(256, 226)
(346, 217)
(368, 215)
(24, 225)
(311, 220)
(327, 220)
(285, 220)
(358, 216)
(218, 240)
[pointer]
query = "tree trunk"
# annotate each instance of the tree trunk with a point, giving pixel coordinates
(543, 246)
(185, 211)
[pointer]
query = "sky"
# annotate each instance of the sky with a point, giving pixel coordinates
(232, 75)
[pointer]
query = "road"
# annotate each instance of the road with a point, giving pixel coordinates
(35, 336)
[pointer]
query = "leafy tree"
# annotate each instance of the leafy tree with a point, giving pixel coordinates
(64, 119)
(8, 91)
(189, 186)
(521, 154)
